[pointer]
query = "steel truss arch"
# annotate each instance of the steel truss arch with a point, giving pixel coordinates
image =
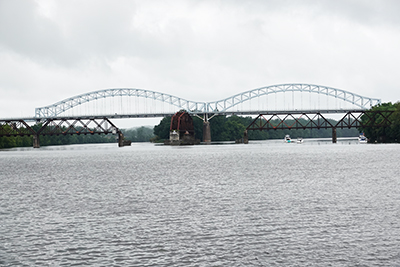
(225, 104)
(216, 107)
(58, 108)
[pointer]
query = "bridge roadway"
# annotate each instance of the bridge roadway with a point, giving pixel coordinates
(160, 115)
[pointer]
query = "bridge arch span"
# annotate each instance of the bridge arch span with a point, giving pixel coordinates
(226, 104)
(220, 106)
(60, 107)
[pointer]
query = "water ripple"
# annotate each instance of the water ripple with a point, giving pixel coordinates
(202, 206)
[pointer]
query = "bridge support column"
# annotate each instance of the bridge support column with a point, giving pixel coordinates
(36, 142)
(334, 135)
(206, 132)
(245, 137)
(120, 139)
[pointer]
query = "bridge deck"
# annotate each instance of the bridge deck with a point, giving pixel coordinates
(155, 115)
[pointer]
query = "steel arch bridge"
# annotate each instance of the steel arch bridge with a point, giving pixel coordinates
(223, 106)
(60, 107)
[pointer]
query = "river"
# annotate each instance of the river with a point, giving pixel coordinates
(262, 204)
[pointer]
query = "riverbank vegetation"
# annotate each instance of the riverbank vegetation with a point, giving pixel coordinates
(141, 134)
(27, 141)
(389, 134)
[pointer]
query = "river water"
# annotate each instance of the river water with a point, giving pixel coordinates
(262, 204)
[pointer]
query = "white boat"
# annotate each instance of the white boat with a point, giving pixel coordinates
(362, 138)
(299, 140)
(287, 139)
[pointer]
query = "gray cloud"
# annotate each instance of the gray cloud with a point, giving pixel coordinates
(200, 50)
(25, 32)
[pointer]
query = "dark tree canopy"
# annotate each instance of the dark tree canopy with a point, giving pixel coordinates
(388, 134)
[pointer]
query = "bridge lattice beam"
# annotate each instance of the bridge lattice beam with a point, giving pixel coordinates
(58, 126)
(352, 119)
(15, 128)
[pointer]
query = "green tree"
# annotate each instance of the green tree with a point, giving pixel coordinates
(141, 134)
(382, 134)
(217, 125)
(198, 128)
(233, 129)
(7, 141)
(162, 129)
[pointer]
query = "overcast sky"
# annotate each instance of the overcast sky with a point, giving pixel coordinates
(198, 50)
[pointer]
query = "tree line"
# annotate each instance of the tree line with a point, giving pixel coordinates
(141, 134)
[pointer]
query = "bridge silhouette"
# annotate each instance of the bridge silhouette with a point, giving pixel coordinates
(91, 113)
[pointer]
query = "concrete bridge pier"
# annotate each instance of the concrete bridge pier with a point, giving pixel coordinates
(334, 135)
(245, 137)
(206, 131)
(120, 139)
(36, 142)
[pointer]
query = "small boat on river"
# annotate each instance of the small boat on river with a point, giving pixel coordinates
(362, 139)
(287, 139)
